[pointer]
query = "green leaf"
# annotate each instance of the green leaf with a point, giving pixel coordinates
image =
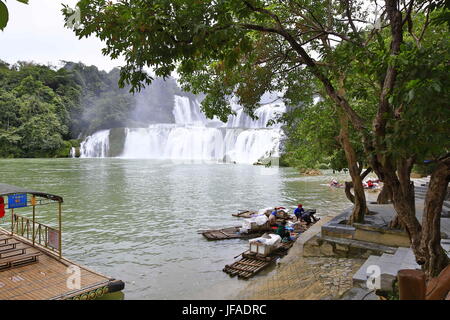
(4, 17)
(23, 1)
(436, 87)
(410, 95)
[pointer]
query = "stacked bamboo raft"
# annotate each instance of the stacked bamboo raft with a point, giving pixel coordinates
(246, 267)
(244, 213)
(230, 233)
(251, 263)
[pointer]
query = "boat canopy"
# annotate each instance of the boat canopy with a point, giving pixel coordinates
(6, 189)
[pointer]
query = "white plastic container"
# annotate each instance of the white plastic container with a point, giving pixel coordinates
(265, 244)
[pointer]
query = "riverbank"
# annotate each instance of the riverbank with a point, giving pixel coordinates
(331, 264)
(305, 278)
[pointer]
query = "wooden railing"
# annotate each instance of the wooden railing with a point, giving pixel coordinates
(41, 234)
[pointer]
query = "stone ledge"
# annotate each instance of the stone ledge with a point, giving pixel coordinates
(379, 229)
(388, 239)
(324, 246)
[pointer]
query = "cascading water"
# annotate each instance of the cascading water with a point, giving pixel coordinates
(194, 137)
(73, 152)
(95, 146)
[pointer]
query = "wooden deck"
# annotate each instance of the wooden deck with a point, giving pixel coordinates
(47, 277)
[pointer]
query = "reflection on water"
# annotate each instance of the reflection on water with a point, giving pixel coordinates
(137, 220)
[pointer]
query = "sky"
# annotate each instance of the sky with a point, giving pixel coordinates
(36, 32)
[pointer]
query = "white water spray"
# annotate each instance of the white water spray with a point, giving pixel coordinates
(194, 137)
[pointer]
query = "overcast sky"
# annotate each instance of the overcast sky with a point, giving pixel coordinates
(36, 32)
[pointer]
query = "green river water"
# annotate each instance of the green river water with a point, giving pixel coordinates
(137, 220)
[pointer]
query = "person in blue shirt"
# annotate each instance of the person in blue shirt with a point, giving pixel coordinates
(299, 211)
(273, 217)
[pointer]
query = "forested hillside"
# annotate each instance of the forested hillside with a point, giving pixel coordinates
(45, 110)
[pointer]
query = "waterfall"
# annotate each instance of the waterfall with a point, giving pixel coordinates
(95, 146)
(194, 137)
(72, 152)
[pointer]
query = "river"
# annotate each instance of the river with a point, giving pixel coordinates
(137, 220)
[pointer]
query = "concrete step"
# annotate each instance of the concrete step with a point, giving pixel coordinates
(358, 247)
(445, 213)
(446, 204)
(388, 266)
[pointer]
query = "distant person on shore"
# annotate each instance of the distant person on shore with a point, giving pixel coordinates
(334, 183)
(299, 211)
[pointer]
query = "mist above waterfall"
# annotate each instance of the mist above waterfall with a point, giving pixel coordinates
(155, 103)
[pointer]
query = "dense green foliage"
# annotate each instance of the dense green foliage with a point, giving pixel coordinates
(35, 103)
(44, 110)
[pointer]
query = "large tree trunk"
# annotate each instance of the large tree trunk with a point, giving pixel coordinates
(360, 206)
(349, 186)
(348, 192)
(404, 167)
(402, 205)
(385, 195)
(432, 255)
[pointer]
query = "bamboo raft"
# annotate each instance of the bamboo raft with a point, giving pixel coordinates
(233, 232)
(251, 263)
(230, 233)
(244, 213)
(250, 213)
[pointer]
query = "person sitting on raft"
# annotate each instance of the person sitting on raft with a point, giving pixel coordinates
(273, 217)
(299, 211)
(307, 215)
(282, 232)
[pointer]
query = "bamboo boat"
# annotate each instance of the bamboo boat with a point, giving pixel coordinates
(251, 263)
(244, 213)
(231, 233)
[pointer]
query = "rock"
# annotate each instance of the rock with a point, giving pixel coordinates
(359, 294)
(310, 172)
(326, 249)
